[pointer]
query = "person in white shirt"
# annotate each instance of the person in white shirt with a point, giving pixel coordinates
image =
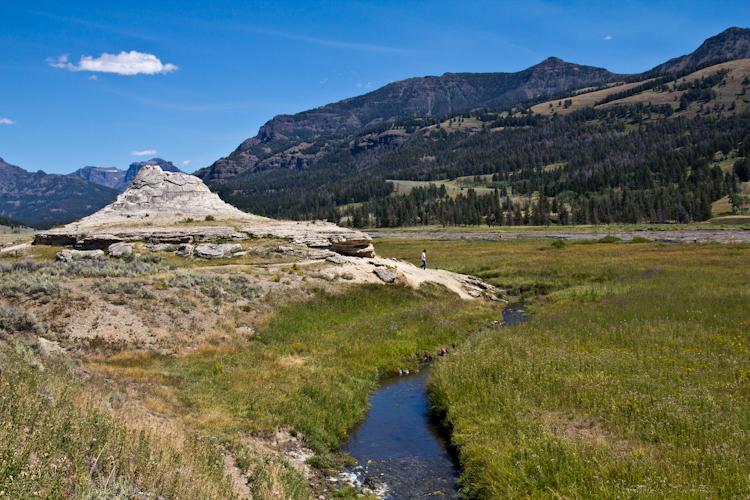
(424, 259)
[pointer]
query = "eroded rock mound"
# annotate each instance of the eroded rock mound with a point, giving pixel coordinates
(154, 191)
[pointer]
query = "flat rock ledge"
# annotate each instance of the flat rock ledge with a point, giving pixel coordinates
(91, 240)
(217, 250)
(71, 255)
(318, 235)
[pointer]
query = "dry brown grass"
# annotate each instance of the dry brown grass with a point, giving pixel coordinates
(739, 69)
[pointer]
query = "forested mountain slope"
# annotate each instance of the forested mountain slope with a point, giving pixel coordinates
(624, 160)
(280, 141)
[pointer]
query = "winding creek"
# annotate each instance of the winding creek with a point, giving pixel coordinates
(399, 447)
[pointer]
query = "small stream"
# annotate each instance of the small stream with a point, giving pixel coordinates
(400, 449)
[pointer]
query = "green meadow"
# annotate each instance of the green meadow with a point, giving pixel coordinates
(631, 379)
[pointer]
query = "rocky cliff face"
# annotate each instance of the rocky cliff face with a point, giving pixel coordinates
(428, 96)
(433, 96)
(733, 43)
(109, 177)
(33, 197)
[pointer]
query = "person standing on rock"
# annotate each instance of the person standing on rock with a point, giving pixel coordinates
(424, 260)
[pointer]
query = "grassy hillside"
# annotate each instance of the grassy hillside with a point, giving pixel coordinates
(730, 93)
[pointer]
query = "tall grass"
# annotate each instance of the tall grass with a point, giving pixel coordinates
(56, 443)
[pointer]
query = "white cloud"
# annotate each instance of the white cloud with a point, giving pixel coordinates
(143, 153)
(608, 37)
(323, 80)
(124, 63)
(93, 77)
(6, 121)
(186, 162)
(367, 86)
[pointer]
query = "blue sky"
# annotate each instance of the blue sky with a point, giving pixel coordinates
(208, 74)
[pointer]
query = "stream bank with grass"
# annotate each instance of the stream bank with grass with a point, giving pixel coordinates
(631, 381)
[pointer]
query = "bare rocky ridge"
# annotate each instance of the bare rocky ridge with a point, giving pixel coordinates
(427, 96)
(732, 43)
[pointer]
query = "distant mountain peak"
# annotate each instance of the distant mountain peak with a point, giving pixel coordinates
(551, 61)
(120, 179)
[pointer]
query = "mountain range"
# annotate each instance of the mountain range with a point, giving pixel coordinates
(435, 96)
(334, 151)
(34, 197)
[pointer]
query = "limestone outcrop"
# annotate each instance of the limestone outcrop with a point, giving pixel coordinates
(120, 249)
(217, 250)
(316, 235)
(71, 255)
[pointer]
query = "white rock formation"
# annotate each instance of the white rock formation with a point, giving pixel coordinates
(217, 250)
(154, 192)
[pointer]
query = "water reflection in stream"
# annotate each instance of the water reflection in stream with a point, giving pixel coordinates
(400, 445)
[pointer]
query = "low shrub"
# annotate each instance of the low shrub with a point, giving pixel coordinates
(28, 284)
(14, 321)
(233, 288)
(134, 288)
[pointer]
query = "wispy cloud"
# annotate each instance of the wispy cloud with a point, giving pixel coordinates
(363, 47)
(323, 80)
(104, 27)
(124, 63)
(365, 85)
(6, 121)
(93, 77)
(211, 106)
(608, 37)
(186, 162)
(143, 153)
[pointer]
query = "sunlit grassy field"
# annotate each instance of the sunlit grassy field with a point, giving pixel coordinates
(631, 379)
